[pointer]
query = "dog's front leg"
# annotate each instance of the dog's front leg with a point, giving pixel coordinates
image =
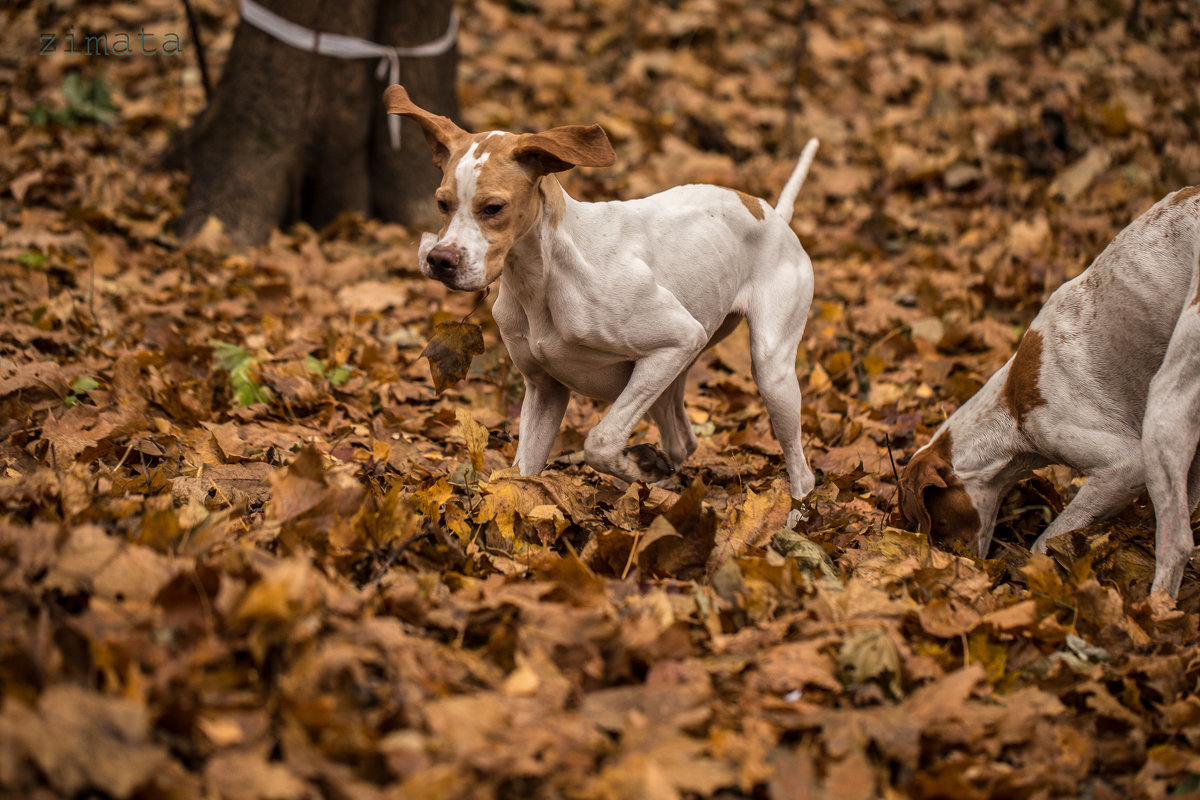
(605, 447)
(1104, 494)
(542, 412)
(1170, 437)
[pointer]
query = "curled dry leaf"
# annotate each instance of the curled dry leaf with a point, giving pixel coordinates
(450, 351)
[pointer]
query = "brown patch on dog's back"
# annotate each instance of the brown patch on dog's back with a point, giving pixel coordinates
(752, 204)
(1021, 391)
(1184, 194)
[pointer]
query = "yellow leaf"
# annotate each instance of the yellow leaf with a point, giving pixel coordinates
(431, 499)
(873, 365)
(818, 379)
(474, 434)
(831, 312)
(398, 520)
(759, 517)
(838, 362)
(548, 520)
(992, 655)
(885, 392)
(500, 505)
(457, 521)
(870, 655)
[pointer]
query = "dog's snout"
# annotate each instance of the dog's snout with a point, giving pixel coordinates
(444, 260)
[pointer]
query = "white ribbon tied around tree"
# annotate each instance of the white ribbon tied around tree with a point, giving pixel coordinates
(338, 46)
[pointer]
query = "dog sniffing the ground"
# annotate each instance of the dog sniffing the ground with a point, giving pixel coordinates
(1107, 381)
(616, 300)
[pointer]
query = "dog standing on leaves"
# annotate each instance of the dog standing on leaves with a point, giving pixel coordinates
(617, 300)
(1107, 381)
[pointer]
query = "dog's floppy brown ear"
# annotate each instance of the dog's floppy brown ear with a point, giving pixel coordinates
(441, 133)
(559, 149)
(921, 473)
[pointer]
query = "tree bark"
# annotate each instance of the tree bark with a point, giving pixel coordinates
(291, 135)
(402, 182)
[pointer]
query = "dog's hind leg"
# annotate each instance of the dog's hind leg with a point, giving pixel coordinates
(1194, 482)
(776, 322)
(670, 349)
(674, 428)
(1170, 435)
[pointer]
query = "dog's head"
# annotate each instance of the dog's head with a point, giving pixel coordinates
(937, 502)
(490, 194)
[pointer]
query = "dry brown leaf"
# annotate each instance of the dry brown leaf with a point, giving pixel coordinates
(85, 742)
(450, 351)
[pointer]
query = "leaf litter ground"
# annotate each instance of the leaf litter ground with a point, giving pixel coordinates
(247, 551)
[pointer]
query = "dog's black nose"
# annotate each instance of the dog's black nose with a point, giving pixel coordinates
(444, 260)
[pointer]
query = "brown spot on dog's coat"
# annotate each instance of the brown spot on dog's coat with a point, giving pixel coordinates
(1021, 391)
(1186, 193)
(933, 498)
(752, 204)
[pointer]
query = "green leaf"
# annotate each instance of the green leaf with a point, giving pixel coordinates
(240, 366)
(1188, 785)
(229, 356)
(247, 392)
(339, 375)
(314, 364)
(79, 387)
(72, 89)
(87, 101)
(32, 259)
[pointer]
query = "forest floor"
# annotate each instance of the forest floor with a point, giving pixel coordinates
(248, 552)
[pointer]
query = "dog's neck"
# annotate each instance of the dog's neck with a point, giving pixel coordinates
(988, 444)
(547, 245)
(991, 453)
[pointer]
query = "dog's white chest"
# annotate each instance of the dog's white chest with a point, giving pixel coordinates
(585, 370)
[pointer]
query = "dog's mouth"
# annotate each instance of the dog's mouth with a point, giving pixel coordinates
(464, 281)
(450, 265)
(456, 285)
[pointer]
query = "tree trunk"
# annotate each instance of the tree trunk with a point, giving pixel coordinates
(291, 135)
(402, 182)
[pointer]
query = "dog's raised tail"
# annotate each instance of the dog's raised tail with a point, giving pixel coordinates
(787, 198)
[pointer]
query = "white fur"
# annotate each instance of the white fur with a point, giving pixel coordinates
(463, 232)
(787, 196)
(618, 299)
(1120, 376)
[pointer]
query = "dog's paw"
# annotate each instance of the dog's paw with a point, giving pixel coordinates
(800, 513)
(651, 462)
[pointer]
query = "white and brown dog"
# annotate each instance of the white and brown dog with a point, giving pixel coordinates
(616, 300)
(1107, 381)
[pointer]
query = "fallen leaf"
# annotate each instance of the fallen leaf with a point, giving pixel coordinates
(450, 351)
(85, 742)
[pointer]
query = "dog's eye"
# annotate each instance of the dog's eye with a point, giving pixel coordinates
(443, 206)
(492, 209)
